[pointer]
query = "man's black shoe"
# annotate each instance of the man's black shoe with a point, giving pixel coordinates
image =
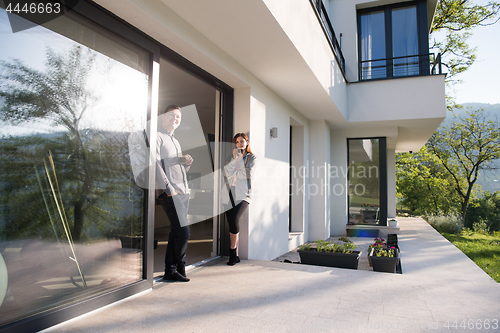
(175, 276)
(181, 270)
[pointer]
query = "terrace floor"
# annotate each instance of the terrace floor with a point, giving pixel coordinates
(440, 290)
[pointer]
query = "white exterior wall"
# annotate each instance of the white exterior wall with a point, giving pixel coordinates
(397, 99)
(310, 41)
(269, 209)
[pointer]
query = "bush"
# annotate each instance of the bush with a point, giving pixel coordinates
(451, 224)
(485, 209)
(480, 227)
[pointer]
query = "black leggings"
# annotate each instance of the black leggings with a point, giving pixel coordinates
(235, 215)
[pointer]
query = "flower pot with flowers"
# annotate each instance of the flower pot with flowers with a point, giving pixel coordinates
(370, 213)
(323, 253)
(377, 243)
(384, 259)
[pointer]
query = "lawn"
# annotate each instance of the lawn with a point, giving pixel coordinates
(483, 249)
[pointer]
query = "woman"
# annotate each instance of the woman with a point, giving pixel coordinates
(239, 178)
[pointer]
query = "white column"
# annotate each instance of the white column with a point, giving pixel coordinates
(338, 183)
(318, 189)
(391, 183)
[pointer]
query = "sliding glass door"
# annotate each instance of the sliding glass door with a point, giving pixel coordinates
(71, 215)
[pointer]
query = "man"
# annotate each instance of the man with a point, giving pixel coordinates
(173, 193)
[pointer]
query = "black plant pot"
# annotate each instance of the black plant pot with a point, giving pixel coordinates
(330, 259)
(131, 242)
(392, 240)
(385, 264)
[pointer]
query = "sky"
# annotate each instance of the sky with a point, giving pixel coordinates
(481, 82)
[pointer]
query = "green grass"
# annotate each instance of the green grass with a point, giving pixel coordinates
(357, 201)
(483, 249)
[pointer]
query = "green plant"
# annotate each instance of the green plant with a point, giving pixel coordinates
(345, 239)
(322, 245)
(305, 247)
(487, 209)
(384, 252)
(480, 227)
(325, 246)
(451, 224)
(346, 247)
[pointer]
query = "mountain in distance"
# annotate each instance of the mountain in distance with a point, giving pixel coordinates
(492, 110)
(489, 180)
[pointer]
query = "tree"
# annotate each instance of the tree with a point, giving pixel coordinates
(423, 185)
(464, 148)
(455, 19)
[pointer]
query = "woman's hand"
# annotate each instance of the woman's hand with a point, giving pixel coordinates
(236, 152)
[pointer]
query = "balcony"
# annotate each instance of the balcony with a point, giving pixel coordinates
(397, 67)
(330, 33)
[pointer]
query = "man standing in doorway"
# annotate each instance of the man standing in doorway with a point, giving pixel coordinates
(173, 193)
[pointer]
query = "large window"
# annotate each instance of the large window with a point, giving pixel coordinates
(393, 42)
(367, 176)
(71, 216)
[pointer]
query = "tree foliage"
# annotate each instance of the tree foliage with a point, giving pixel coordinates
(423, 185)
(452, 27)
(463, 149)
(485, 209)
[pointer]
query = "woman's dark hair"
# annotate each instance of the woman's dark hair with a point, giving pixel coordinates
(244, 136)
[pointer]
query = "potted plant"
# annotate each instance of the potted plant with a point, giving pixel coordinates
(378, 243)
(392, 240)
(329, 254)
(370, 213)
(384, 259)
(392, 223)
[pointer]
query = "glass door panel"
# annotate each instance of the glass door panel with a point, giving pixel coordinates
(405, 41)
(364, 181)
(197, 135)
(373, 47)
(71, 215)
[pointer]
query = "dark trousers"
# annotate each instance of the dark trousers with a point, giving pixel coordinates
(235, 215)
(176, 207)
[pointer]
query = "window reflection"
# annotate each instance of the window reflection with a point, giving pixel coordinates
(391, 52)
(364, 181)
(71, 215)
(405, 41)
(373, 45)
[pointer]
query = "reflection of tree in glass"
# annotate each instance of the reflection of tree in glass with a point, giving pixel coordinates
(366, 173)
(91, 165)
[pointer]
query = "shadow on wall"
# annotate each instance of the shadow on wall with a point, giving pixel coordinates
(269, 233)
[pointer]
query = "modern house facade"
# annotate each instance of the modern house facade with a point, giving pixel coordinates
(327, 91)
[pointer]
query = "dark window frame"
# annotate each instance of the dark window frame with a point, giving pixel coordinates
(383, 199)
(423, 38)
(101, 17)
